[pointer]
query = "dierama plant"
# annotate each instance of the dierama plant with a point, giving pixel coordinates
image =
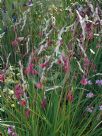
(50, 68)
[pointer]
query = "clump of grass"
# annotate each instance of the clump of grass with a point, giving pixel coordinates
(51, 75)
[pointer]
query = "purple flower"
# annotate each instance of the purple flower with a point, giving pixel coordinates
(90, 95)
(99, 82)
(30, 3)
(10, 130)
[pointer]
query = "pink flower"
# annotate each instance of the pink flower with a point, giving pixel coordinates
(30, 70)
(18, 91)
(59, 61)
(44, 65)
(39, 85)
(23, 102)
(34, 72)
(84, 81)
(2, 78)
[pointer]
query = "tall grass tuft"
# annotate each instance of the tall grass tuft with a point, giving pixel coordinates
(50, 68)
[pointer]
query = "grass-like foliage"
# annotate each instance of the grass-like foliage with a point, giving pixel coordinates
(50, 68)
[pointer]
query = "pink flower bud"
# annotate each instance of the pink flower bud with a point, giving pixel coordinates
(70, 96)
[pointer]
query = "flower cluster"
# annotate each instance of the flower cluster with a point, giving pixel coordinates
(22, 99)
(84, 81)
